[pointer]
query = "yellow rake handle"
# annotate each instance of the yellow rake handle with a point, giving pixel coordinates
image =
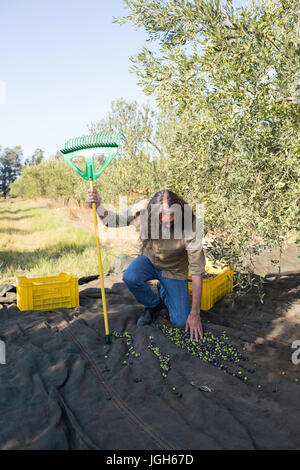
(107, 334)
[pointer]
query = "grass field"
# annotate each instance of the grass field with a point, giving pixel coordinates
(35, 241)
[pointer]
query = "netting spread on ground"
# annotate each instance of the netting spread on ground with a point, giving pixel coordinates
(63, 388)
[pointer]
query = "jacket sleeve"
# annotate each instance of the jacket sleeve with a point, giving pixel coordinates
(194, 248)
(124, 218)
(196, 261)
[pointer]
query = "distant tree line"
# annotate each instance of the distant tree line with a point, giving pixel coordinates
(139, 170)
(11, 166)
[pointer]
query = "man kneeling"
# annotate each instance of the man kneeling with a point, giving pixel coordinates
(171, 247)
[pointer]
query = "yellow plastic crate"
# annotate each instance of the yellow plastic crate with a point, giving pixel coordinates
(214, 288)
(47, 293)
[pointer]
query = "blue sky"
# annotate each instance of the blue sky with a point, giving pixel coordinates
(62, 63)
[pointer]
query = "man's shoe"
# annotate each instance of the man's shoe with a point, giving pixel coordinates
(149, 315)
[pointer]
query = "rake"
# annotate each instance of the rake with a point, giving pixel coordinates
(93, 150)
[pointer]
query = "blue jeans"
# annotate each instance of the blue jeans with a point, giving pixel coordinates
(174, 293)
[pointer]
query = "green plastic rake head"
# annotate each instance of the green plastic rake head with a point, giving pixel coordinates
(90, 147)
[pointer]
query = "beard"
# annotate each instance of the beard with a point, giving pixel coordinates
(166, 230)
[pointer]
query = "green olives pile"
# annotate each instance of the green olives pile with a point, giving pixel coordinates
(213, 349)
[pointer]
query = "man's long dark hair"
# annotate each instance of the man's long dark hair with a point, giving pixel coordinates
(170, 198)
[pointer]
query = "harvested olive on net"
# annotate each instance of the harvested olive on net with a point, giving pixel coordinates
(129, 343)
(164, 359)
(213, 349)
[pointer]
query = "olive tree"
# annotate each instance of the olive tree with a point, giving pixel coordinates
(225, 81)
